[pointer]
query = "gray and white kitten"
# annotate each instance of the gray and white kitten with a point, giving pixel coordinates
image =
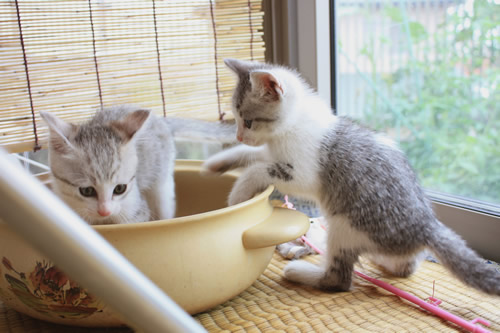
(118, 167)
(362, 182)
(115, 168)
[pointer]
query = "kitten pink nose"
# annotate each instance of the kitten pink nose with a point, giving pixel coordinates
(104, 207)
(239, 138)
(104, 212)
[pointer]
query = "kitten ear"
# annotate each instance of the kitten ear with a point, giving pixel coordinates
(131, 124)
(240, 67)
(267, 83)
(59, 132)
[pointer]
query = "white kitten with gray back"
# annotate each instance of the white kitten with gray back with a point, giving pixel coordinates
(363, 184)
(119, 166)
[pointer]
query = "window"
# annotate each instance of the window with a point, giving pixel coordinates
(426, 73)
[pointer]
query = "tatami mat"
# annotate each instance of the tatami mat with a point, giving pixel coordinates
(274, 304)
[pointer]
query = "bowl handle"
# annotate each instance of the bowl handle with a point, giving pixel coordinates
(283, 225)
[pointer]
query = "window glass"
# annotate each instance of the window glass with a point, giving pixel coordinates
(427, 73)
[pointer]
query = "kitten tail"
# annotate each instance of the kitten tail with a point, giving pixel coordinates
(464, 263)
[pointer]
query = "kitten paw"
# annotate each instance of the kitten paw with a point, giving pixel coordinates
(303, 272)
(293, 251)
(237, 197)
(214, 168)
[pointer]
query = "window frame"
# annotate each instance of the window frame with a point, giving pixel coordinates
(296, 36)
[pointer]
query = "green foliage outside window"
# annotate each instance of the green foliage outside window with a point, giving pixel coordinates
(444, 108)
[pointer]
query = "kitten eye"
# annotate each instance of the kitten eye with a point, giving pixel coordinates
(120, 189)
(248, 123)
(88, 191)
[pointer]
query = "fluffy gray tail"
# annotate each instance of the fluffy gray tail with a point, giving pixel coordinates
(194, 129)
(463, 262)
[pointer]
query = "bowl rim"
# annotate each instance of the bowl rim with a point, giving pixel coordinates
(190, 164)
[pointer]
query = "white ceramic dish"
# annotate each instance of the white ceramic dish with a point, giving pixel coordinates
(207, 255)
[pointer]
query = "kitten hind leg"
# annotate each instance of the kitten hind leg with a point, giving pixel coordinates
(400, 266)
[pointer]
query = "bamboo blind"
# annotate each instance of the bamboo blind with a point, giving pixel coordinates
(72, 57)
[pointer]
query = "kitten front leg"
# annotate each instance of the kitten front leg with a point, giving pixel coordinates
(251, 182)
(344, 244)
(335, 276)
(232, 158)
(161, 199)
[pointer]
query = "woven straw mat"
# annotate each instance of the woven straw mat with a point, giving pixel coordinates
(273, 304)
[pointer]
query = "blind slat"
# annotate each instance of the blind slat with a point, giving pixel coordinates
(129, 55)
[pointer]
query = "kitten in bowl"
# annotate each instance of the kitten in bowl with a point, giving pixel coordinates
(118, 167)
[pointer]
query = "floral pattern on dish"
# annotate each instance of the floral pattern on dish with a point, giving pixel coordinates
(49, 291)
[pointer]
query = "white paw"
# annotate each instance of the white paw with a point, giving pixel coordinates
(291, 250)
(213, 167)
(285, 250)
(303, 272)
(208, 169)
(237, 197)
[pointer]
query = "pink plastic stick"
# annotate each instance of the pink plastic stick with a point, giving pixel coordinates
(470, 326)
(308, 242)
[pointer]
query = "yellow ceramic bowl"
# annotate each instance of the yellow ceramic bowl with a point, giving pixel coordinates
(207, 255)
